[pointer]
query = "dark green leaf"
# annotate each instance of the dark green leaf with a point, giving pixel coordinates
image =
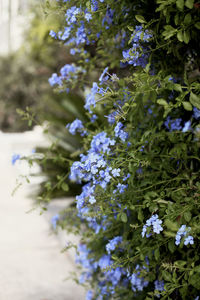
(65, 187)
(180, 36)
(189, 3)
(124, 217)
(140, 19)
(180, 4)
(195, 100)
(187, 105)
(187, 216)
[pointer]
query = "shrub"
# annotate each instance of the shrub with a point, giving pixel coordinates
(138, 212)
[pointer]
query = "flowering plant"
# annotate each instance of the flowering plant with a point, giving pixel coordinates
(138, 212)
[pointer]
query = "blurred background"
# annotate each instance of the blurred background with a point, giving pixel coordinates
(32, 126)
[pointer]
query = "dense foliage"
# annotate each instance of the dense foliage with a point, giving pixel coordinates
(138, 213)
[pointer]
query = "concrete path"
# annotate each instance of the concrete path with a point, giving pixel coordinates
(31, 264)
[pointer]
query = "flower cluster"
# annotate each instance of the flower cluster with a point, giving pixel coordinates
(152, 222)
(113, 243)
(67, 73)
(76, 126)
(136, 55)
(175, 124)
(183, 232)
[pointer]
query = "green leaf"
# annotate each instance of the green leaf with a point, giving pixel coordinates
(166, 275)
(140, 19)
(176, 19)
(180, 4)
(186, 36)
(180, 263)
(140, 215)
(194, 281)
(187, 19)
(187, 216)
(124, 217)
(197, 25)
(177, 87)
(157, 254)
(195, 100)
(187, 105)
(180, 36)
(171, 246)
(65, 187)
(197, 269)
(162, 102)
(169, 31)
(171, 225)
(189, 3)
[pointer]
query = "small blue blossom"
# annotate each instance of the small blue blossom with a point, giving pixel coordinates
(15, 158)
(138, 282)
(55, 79)
(116, 172)
(75, 126)
(196, 113)
(113, 243)
(71, 14)
(88, 16)
(52, 34)
(90, 98)
(92, 200)
(172, 125)
(54, 220)
(104, 262)
(187, 126)
(89, 295)
(159, 286)
(94, 5)
(183, 233)
(189, 240)
(155, 223)
(93, 118)
(104, 78)
(119, 132)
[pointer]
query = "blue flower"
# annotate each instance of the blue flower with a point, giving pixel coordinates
(94, 5)
(89, 295)
(88, 16)
(113, 243)
(54, 220)
(90, 98)
(71, 14)
(55, 79)
(196, 113)
(75, 126)
(104, 78)
(138, 282)
(93, 118)
(119, 132)
(183, 233)
(104, 262)
(155, 223)
(15, 158)
(159, 286)
(116, 172)
(173, 124)
(189, 240)
(52, 34)
(187, 126)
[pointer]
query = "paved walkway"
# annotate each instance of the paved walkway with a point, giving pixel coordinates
(32, 266)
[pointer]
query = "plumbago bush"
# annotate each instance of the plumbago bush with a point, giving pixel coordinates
(138, 213)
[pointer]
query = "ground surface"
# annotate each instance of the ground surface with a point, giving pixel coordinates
(32, 266)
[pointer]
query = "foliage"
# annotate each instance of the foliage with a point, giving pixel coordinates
(138, 212)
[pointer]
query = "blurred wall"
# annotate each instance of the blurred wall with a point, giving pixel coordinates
(13, 19)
